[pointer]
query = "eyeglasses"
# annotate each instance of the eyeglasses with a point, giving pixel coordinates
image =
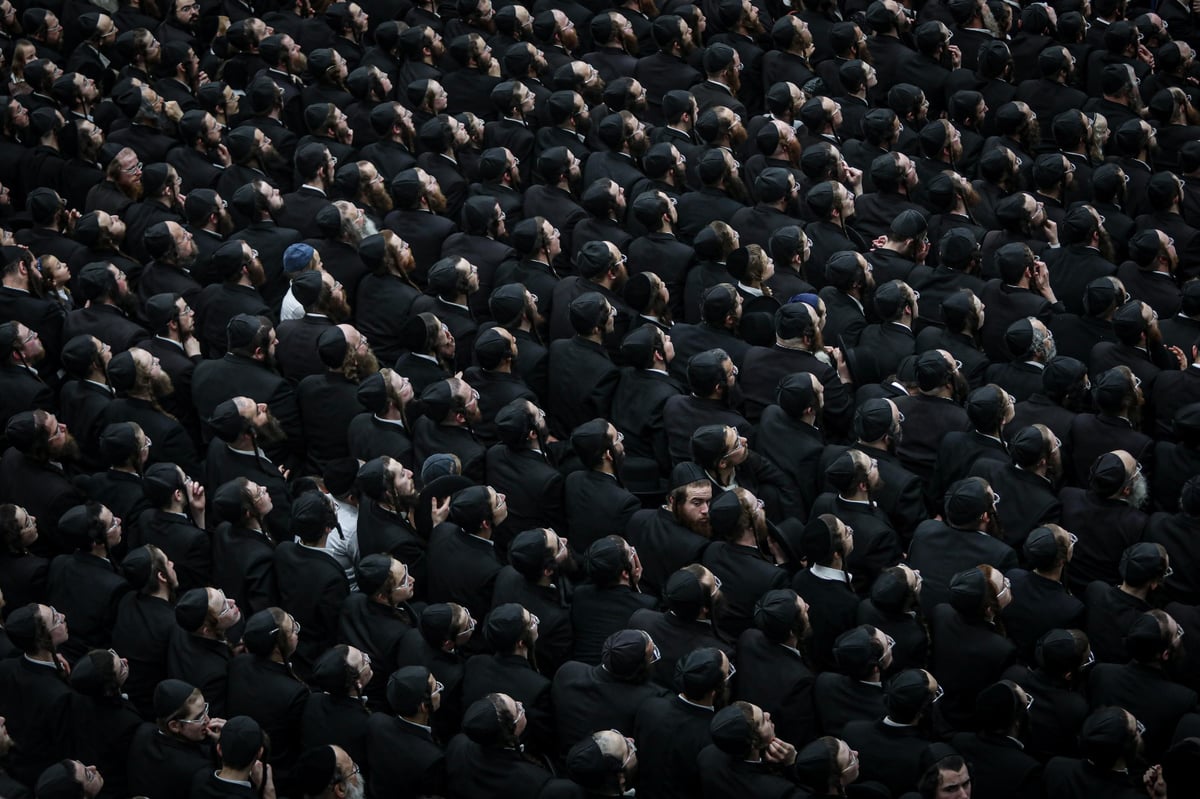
(228, 606)
(1178, 631)
(57, 619)
(889, 641)
(1141, 728)
(366, 663)
(353, 772)
(133, 170)
(938, 694)
(995, 497)
(1028, 701)
(853, 761)
(437, 689)
(203, 717)
(149, 442)
(630, 745)
(32, 335)
(1007, 587)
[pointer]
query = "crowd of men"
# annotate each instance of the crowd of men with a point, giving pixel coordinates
(405, 398)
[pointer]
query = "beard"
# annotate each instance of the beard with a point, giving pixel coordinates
(379, 199)
(436, 201)
(1105, 246)
(270, 432)
(961, 388)
(1030, 136)
(736, 188)
(271, 161)
(593, 95)
(991, 23)
(161, 385)
(630, 42)
(337, 309)
(1139, 491)
(359, 365)
(68, 450)
(638, 146)
(127, 303)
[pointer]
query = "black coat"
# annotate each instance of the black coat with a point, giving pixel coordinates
(876, 544)
(312, 587)
(664, 546)
(1021, 379)
(33, 700)
(87, 589)
(1058, 711)
(335, 720)
(637, 412)
(833, 606)
(532, 487)
(927, 420)
(219, 303)
(108, 752)
(669, 258)
(243, 567)
(582, 381)
(215, 381)
(462, 569)
(670, 734)
(1149, 694)
(300, 210)
(271, 694)
(699, 208)
(1072, 268)
(956, 456)
(1000, 766)
(1106, 527)
(170, 442)
(328, 403)
(1079, 779)
(23, 578)
(43, 489)
(745, 576)
(160, 764)
(1180, 534)
(106, 323)
(597, 505)
(473, 770)
(887, 754)
(723, 775)
(202, 662)
(404, 760)
(841, 700)
(940, 551)
(141, 634)
(1174, 464)
(296, 351)
(369, 436)
(1005, 305)
(794, 447)
(550, 604)
(675, 638)
(967, 657)
(1110, 611)
(430, 438)
(425, 232)
(1033, 502)
(1038, 606)
(597, 613)
(776, 678)
(763, 368)
(514, 675)
(588, 698)
(225, 463)
(376, 629)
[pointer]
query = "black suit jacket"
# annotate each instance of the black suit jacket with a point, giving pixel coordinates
(404, 759)
(1092, 435)
(940, 551)
(1146, 692)
(670, 734)
(1038, 606)
(927, 421)
(777, 679)
(596, 505)
(967, 657)
(243, 562)
(273, 696)
(1108, 527)
(582, 382)
(588, 698)
(312, 587)
(34, 703)
(462, 569)
(1033, 501)
(300, 211)
(296, 350)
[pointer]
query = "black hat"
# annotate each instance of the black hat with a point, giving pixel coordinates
(170, 696)
(241, 739)
(78, 354)
(481, 722)
(227, 422)
(708, 443)
(21, 430)
(471, 506)
(122, 371)
(137, 566)
(889, 299)
(161, 310)
(967, 500)
(507, 302)
(306, 288)
(587, 764)
(58, 782)
(154, 177)
(624, 652)
(527, 552)
(775, 612)
(240, 142)
(908, 691)
(1027, 446)
(372, 572)
(191, 609)
(504, 626)
(909, 224)
(873, 419)
(372, 393)
(118, 442)
(685, 473)
(995, 706)
(817, 539)
(1061, 373)
(1019, 337)
(700, 671)
(259, 634)
(43, 203)
(94, 279)
(372, 477)
(588, 311)
(730, 731)
(1041, 548)
(1107, 475)
(967, 589)
(310, 157)
(605, 557)
(332, 347)
(229, 259)
(932, 369)
(1141, 563)
(316, 771)
(312, 514)
(407, 688)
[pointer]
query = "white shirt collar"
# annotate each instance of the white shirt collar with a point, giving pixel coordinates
(829, 573)
(686, 701)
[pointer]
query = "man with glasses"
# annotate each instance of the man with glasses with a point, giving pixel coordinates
(1110, 511)
(536, 580)
(21, 350)
(962, 539)
(486, 759)
(1146, 685)
(605, 763)
(86, 583)
(1139, 347)
(451, 411)
(1110, 746)
(607, 695)
(401, 748)
(891, 746)
(262, 682)
(595, 499)
(330, 772)
(243, 773)
(1119, 399)
(70, 777)
(462, 560)
(1022, 290)
(746, 757)
(693, 600)
(512, 631)
(855, 477)
(315, 167)
(1041, 601)
(997, 751)
(32, 688)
